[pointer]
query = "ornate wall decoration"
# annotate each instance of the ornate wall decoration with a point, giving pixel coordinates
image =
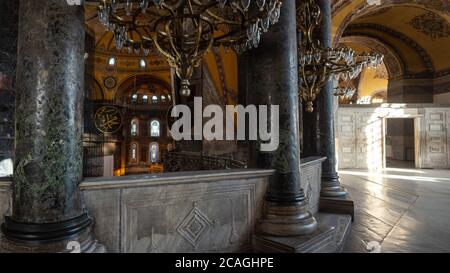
(441, 6)
(110, 82)
(108, 119)
(194, 226)
(422, 52)
(431, 25)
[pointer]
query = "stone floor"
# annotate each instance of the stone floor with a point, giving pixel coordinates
(399, 210)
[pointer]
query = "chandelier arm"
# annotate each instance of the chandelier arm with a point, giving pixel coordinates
(192, 12)
(225, 21)
(174, 6)
(171, 42)
(183, 30)
(142, 36)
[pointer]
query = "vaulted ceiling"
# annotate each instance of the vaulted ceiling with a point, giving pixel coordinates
(414, 36)
(415, 32)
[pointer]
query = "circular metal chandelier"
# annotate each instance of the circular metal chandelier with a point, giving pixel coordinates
(184, 30)
(318, 64)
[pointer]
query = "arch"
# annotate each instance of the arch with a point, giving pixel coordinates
(154, 152)
(420, 51)
(134, 127)
(155, 128)
(364, 8)
(134, 152)
(93, 89)
(395, 64)
(128, 84)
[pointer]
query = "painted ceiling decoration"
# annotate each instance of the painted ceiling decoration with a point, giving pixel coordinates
(395, 65)
(432, 25)
(414, 36)
(346, 11)
(416, 32)
(426, 59)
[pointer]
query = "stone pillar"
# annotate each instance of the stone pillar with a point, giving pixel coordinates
(330, 180)
(47, 207)
(334, 196)
(273, 80)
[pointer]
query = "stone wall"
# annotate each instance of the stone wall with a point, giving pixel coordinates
(410, 91)
(5, 200)
(361, 134)
(177, 212)
(207, 211)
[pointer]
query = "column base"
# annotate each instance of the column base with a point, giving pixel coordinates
(331, 187)
(286, 220)
(74, 236)
(84, 243)
(334, 192)
(330, 237)
(340, 205)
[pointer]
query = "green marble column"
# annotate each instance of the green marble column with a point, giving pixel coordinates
(47, 208)
(273, 80)
(330, 180)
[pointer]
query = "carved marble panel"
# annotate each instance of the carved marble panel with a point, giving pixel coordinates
(5, 201)
(346, 140)
(216, 215)
(431, 135)
(189, 219)
(310, 180)
(434, 145)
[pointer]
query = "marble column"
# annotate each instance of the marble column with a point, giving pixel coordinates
(272, 80)
(330, 180)
(47, 207)
(334, 197)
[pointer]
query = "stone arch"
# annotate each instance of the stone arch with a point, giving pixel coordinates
(128, 84)
(394, 62)
(93, 89)
(423, 54)
(441, 7)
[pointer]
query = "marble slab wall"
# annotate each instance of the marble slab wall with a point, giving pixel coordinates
(311, 173)
(5, 199)
(361, 131)
(199, 212)
(181, 212)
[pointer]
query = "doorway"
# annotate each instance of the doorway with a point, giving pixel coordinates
(400, 143)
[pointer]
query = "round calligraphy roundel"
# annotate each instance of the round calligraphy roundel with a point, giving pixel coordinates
(108, 119)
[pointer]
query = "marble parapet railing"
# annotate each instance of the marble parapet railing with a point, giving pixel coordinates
(200, 211)
(208, 211)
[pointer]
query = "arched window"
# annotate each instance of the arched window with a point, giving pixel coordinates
(145, 99)
(169, 97)
(154, 152)
(134, 98)
(142, 63)
(112, 61)
(134, 153)
(154, 128)
(135, 127)
(155, 99)
(163, 98)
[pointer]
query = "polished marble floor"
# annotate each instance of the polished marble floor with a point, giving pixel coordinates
(399, 210)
